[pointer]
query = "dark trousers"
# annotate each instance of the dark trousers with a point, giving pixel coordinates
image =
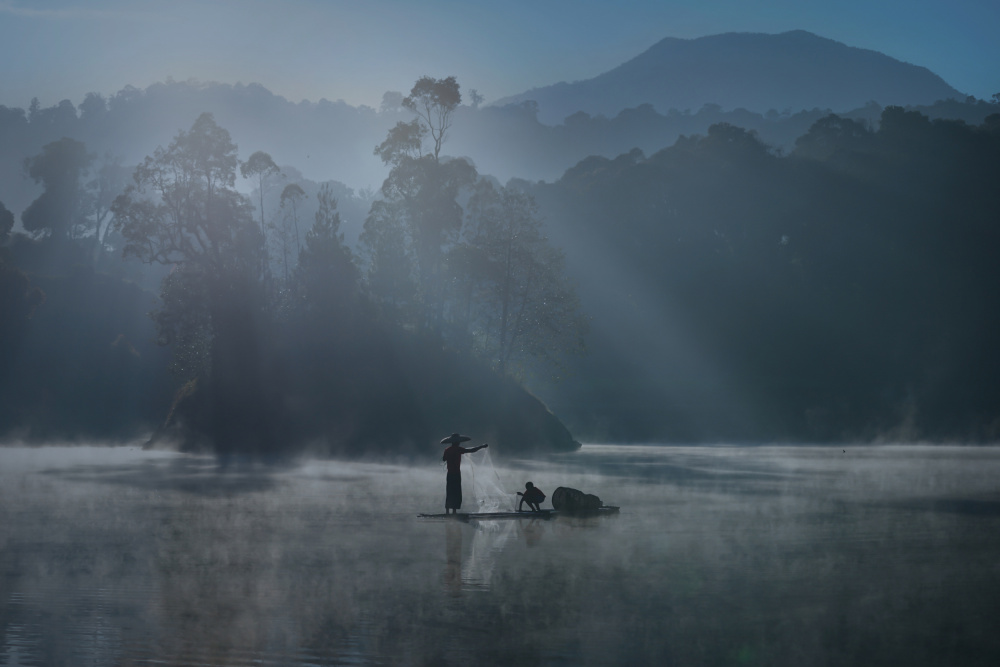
(453, 492)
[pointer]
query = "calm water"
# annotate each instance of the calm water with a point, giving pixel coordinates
(720, 556)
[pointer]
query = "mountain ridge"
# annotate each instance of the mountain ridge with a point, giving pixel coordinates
(757, 71)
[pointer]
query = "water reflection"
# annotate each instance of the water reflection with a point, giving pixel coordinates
(723, 555)
(473, 568)
(453, 558)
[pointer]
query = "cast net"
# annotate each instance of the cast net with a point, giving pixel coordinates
(487, 490)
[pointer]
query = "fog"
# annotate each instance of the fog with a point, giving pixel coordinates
(685, 276)
(757, 555)
(234, 327)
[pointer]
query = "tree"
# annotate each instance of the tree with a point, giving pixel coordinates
(6, 223)
(831, 135)
(511, 285)
(59, 168)
(734, 143)
(434, 101)
(476, 98)
(93, 107)
(58, 118)
(110, 179)
(183, 210)
(422, 191)
(259, 165)
(404, 142)
(389, 263)
(291, 196)
(391, 102)
(427, 191)
(327, 273)
(17, 301)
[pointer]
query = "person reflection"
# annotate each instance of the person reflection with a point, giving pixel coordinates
(453, 559)
(532, 532)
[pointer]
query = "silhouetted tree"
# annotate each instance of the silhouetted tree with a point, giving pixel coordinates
(18, 298)
(327, 274)
(476, 98)
(733, 142)
(183, 210)
(59, 168)
(109, 180)
(434, 101)
(517, 299)
(423, 189)
(93, 107)
(291, 196)
(831, 135)
(60, 118)
(389, 272)
(6, 223)
(392, 101)
(259, 165)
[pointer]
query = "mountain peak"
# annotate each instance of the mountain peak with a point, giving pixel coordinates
(791, 70)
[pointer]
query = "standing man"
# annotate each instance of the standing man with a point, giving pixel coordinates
(453, 457)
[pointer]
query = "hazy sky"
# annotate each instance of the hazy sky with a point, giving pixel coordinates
(355, 51)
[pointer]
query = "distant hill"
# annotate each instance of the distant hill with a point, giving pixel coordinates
(792, 70)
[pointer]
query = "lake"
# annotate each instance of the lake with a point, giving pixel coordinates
(721, 555)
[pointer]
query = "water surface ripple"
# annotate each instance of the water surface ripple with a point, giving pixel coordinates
(724, 555)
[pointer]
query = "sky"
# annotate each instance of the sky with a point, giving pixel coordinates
(357, 50)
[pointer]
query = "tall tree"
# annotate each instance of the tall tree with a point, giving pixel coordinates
(389, 272)
(327, 273)
(108, 181)
(434, 101)
(291, 196)
(422, 189)
(183, 209)
(510, 283)
(59, 168)
(259, 165)
(288, 226)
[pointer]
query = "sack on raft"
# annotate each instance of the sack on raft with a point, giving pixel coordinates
(565, 499)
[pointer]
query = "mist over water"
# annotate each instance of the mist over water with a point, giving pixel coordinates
(721, 555)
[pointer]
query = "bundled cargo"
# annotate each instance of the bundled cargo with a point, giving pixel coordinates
(565, 499)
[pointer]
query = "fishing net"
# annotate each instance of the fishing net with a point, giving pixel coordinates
(487, 490)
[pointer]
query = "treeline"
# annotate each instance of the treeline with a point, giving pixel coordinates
(726, 289)
(845, 290)
(328, 140)
(282, 337)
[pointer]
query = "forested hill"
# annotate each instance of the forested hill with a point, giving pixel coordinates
(848, 290)
(333, 141)
(793, 70)
(842, 287)
(282, 337)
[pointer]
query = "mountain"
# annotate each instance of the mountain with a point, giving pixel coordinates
(792, 70)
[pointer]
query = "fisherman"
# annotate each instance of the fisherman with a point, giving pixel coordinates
(532, 495)
(453, 456)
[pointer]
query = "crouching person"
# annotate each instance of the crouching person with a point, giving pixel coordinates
(532, 495)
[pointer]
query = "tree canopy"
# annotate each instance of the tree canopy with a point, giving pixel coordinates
(59, 168)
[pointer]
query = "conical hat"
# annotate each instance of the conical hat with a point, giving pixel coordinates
(454, 439)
